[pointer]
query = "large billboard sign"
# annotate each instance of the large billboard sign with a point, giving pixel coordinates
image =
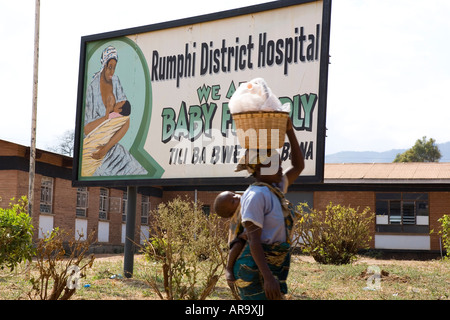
(153, 101)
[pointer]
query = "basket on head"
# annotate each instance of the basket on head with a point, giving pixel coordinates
(261, 130)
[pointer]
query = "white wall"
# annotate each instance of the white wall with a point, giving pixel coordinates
(124, 232)
(103, 231)
(144, 234)
(81, 229)
(404, 242)
(45, 225)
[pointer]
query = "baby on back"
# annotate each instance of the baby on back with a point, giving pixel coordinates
(227, 205)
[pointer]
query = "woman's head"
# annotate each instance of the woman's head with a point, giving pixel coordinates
(264, 165)
(109, 60)
(269, 169)
(109, 70)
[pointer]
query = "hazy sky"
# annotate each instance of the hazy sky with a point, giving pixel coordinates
(387, 86)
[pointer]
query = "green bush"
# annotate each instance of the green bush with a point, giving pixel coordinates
(16, 234)
(189, 247)
(335, 235)
(445, 233)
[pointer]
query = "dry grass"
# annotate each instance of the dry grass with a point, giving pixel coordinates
(398, 280)
(308, 280)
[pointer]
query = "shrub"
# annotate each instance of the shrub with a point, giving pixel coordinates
(16, 234)
(335, 235)
(60, 270)
(189, 245)
(445, 233)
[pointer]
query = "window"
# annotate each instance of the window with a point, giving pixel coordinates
(45, 205)
(124, 206)
(82, 202)
(145, 209)
(103, 205)
(206, 209)
(402, 212)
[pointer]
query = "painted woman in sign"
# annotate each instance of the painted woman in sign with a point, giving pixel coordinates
(106, 121)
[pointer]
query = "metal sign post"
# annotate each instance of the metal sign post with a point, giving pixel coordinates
(129, 232)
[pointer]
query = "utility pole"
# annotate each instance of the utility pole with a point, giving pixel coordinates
(34, 111)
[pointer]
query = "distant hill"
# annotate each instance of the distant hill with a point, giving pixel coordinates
(378, 157)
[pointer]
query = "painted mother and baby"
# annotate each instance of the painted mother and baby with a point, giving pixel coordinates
(261, 222)
(106, 121)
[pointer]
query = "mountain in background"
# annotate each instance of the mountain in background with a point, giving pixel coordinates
(379, 157)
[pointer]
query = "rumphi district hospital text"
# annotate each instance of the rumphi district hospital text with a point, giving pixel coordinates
(300, 48)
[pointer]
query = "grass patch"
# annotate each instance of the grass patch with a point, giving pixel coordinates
(308, 280)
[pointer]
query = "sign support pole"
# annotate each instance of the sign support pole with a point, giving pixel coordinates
(31, 174)
(129, 231)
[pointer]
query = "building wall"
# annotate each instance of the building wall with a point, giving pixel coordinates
(439, 205)
(355, 199)
(14, 177)
(15, 184)
(204, 197)
(64, 207)
(64, 211)
(8, 187)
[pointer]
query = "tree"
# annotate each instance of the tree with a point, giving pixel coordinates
(65, 143)
(422, 151)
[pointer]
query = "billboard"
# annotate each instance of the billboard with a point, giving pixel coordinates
(152, 103)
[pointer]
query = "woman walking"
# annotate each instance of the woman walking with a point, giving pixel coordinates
(261, 269)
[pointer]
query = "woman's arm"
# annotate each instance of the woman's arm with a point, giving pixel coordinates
(271, 285)
(94, 124)
(297, 161)
(102, 151)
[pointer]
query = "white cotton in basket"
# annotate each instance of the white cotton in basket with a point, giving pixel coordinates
(255, 95)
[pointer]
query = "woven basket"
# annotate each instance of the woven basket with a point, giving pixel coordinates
(261, 130)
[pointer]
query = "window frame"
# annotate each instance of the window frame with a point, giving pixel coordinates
(46, 195)
(103, 204)
(406, 210)
(82, 204)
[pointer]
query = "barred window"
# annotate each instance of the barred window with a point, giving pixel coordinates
(45, 205)
(402, 212)
(82, 202)
(124, 206)
(103, 205)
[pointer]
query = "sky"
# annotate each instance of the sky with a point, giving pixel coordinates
(387, 83)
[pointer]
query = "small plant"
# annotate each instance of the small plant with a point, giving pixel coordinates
(155, 248)
(335, 235)
(16, 234)
(189, 245)
(59, 271)
(445, 233)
